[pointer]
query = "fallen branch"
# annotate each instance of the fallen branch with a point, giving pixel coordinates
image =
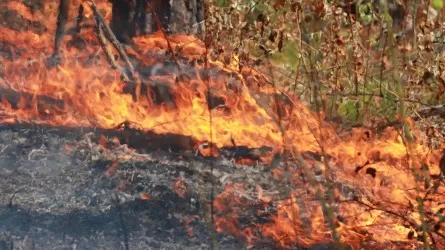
(110, 36)
(438, 110)
(108, 53)
(105, 32)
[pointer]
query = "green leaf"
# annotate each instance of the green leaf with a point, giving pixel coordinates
(222, 3)
(437, 4)
(365, 12)
(289, 57)
(348, 110)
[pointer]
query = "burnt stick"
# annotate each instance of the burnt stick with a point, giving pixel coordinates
(62, 19)
(107, 50)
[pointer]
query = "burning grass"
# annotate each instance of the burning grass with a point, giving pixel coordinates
(354, 187)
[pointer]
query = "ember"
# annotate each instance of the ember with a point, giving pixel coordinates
(363, 188)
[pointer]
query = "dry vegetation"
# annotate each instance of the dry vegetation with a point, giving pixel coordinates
(374, 67)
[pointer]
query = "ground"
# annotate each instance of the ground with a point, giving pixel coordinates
(58, 200)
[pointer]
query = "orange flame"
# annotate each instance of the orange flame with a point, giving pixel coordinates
(144, 196)
(84, 91)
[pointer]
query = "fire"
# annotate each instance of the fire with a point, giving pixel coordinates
(92, 95)
(144, 196)
(373, 175)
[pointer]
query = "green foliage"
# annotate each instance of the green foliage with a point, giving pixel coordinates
(365, 12)
(437, 4)
(288, 58)
(348, 110)
(222, 3)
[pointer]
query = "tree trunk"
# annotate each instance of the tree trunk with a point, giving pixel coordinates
(133, 17)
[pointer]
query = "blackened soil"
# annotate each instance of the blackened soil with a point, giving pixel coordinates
(54, 199)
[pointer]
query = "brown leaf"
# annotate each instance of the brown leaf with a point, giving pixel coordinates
(279, 3)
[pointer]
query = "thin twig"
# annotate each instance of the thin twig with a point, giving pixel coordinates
(354, 46)
(6, 81)
(382, 62)
(11, 199)
(208, 93)
(79, 19)
(158, 23)
(377, 95)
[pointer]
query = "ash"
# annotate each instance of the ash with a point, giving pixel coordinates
(54, 199)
